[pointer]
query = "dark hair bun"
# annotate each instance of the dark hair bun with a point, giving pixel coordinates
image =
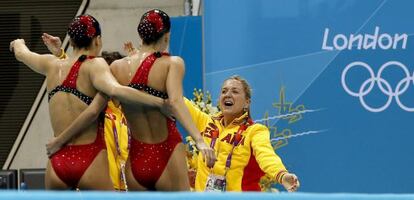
(153, 25)
(83, 29)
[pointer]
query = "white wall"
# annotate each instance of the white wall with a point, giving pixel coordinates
(119, 20)
(32, 151)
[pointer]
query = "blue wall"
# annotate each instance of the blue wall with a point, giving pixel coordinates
(186, 42)
(278, 46)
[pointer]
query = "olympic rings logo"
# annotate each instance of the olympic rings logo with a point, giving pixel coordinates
(383, 85)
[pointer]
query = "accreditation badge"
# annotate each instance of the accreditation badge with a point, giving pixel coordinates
(215, 183)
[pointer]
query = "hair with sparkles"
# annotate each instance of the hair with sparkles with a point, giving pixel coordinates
(153, 25)
(82, 30)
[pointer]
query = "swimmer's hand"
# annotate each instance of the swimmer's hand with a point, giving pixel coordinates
(53, 146)
(166, 110)
(209, 157)
(129, 48)
(53, 44)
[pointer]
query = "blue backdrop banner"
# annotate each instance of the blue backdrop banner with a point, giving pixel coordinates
(186, 42)
(333, 80)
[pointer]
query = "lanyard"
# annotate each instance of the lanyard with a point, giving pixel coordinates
(237, 139)
(214, 136)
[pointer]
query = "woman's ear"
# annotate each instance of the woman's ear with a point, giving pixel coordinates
(97, 41)
(167, 38)
(247, 103)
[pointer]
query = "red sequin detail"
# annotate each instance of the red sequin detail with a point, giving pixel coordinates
(156, 19)
(71, 161)
(88, 21)
(141, 76)
(148, 161)
(70, 80)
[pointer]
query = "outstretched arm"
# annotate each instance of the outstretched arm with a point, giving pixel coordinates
(199, 117)
(179, 109)
(103, 80)
(86, 118)
(36, 62)
(53, 44)
(268, 161)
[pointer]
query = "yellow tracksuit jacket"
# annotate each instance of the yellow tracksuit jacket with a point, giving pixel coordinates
(251, 159)
(114, 117)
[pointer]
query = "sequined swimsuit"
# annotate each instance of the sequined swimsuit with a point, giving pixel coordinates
(148, 161)
(69, 84)
(71, 161)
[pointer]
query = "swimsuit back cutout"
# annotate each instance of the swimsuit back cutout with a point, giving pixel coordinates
(69, 84)
(140, 79)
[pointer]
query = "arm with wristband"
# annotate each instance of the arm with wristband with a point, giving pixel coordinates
(54, 44)
(269, 162)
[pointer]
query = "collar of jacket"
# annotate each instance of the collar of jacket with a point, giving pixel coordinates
(237, 121)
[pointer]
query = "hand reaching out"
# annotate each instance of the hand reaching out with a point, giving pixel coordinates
(52, 43)
(129, 48)
(209, 156)
(16, 41)
(290, 182)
